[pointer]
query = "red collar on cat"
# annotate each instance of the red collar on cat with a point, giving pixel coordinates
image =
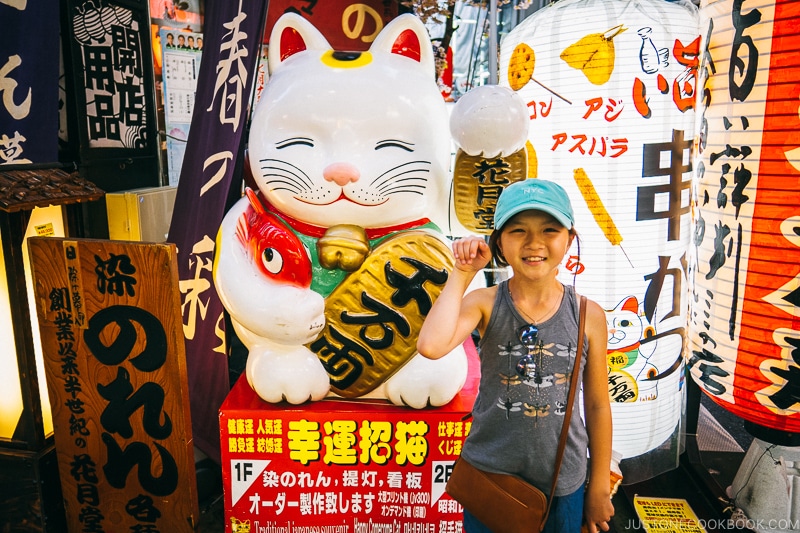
(318, 231)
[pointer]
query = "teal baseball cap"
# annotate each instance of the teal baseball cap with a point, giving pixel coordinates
(534, 193)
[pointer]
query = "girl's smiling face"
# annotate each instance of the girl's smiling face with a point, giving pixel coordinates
(534, 243)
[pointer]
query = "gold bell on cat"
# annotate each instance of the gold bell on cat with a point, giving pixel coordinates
(344, 246)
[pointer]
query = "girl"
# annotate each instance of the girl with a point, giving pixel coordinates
(528, 328)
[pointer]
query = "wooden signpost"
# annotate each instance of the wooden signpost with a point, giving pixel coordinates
(111, 329)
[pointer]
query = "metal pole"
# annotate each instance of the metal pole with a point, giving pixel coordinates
(493, 42)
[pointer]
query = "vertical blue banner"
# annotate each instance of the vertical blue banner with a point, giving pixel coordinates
(29, 51)
(232, 38)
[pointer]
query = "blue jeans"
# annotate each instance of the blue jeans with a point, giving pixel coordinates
(566, 516)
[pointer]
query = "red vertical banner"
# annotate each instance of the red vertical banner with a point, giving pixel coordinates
(208, 175)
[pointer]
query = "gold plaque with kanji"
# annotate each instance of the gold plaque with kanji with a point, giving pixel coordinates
(374, 316)
(477, 184)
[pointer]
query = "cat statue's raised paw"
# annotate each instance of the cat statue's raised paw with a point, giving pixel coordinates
(329, 269)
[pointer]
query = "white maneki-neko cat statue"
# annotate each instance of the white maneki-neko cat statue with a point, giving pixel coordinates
(329, 269)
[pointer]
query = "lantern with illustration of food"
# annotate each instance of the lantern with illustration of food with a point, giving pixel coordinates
(610, 89)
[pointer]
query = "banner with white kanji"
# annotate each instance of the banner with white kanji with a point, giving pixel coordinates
(209, 179)
(29, 107)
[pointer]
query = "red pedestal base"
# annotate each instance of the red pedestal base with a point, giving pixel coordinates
(348, 466)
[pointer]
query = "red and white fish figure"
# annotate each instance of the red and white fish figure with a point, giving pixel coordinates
(276, 250)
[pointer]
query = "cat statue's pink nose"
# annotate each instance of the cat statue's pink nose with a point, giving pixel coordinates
(341, 173)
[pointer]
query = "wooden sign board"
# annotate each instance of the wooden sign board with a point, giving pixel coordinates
(112, 337)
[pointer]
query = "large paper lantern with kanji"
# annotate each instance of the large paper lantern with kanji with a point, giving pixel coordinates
(610, 89)
(744, 348)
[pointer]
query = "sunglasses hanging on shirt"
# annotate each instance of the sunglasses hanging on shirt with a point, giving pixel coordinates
(527, 366)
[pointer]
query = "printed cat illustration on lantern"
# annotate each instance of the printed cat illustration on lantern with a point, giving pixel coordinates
(328, 271)
(630, 370)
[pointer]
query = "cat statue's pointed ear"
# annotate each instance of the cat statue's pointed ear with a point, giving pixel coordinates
(406, 36)
(630, 304)
(290, 35)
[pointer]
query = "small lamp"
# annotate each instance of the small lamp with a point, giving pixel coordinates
(31, 197)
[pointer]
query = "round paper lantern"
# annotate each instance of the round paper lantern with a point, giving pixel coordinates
(744, 329)
(610, 89)
(489, 120)
(489, 126)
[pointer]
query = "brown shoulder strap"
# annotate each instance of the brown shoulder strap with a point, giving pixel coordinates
(573, 387)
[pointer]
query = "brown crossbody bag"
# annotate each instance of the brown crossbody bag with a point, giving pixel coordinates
(506, 503)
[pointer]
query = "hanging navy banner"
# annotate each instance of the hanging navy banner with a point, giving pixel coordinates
(29, 82)
(232, 37)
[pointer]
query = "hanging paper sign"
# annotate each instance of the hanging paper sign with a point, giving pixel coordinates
(746, 251)
(181, 54)
(610, 102)
(112, 340)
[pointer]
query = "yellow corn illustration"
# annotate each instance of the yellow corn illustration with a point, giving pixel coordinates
(598, 210)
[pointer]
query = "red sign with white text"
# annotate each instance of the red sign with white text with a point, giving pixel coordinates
(353, 465)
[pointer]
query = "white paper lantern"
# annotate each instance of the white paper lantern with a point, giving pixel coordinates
(610, 87)
(744, 348)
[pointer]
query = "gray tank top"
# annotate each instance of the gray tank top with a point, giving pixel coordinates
(517, 418)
